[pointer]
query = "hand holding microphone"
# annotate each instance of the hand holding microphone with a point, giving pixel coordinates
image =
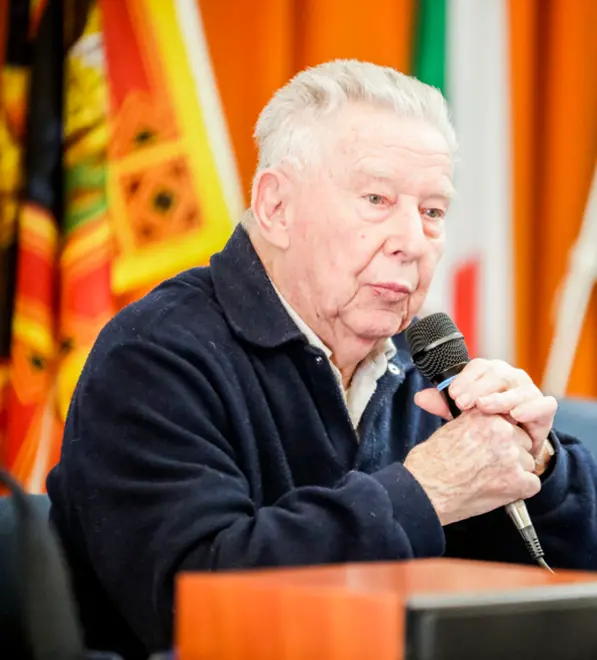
(496, 388)
(474, 465)
(480, 460)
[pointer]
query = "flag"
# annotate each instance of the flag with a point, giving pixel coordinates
(172, 182)
(127, 177)
(462, 47)
(29, 420)
(14, 75)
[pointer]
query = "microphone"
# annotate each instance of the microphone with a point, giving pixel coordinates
(439, 351)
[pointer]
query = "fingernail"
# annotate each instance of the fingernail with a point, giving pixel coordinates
(464, 401)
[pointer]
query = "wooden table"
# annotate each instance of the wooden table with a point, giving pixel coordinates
(346, 612)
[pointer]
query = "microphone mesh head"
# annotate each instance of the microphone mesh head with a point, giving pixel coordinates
(439, 359)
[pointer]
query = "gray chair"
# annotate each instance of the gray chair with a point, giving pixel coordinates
(578, 417)
(11, 632)
(38, 614)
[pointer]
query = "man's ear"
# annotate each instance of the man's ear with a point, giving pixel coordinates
(269, 204)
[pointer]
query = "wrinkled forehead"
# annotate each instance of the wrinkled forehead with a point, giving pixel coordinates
(377, 143)
(358, 126)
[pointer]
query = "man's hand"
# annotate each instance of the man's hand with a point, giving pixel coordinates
(473, 465)
(495, 387)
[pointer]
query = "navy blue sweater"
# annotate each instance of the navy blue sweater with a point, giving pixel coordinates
(205, 433)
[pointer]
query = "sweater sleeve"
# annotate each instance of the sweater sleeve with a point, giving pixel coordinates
(564, 514)
(157, 487)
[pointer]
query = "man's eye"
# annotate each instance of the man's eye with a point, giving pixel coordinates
(376, 200)
(434, 214)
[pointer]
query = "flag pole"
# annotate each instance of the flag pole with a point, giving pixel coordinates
(575, 294)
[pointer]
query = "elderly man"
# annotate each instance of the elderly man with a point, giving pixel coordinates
(264, 411)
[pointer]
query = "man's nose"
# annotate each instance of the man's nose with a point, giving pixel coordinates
(407, 237)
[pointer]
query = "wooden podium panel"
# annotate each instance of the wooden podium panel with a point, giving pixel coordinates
(346, 612)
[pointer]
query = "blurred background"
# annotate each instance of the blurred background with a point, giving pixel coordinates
(126, 156)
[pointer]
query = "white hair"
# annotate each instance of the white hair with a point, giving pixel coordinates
(284, 132)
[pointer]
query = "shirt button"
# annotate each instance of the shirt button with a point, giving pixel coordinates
(394, 369)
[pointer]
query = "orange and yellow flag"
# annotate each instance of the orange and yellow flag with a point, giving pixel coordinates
(135, 183)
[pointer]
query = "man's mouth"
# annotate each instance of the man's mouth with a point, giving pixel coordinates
(392, 291)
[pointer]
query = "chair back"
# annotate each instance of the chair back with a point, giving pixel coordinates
(37, 609)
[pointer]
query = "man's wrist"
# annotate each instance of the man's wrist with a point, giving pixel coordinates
(543, 460)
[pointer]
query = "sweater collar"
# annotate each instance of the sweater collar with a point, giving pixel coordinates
(249, 302)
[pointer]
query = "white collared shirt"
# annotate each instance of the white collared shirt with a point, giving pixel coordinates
(364, 381)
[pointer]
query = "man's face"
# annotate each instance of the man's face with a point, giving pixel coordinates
(366, 225)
